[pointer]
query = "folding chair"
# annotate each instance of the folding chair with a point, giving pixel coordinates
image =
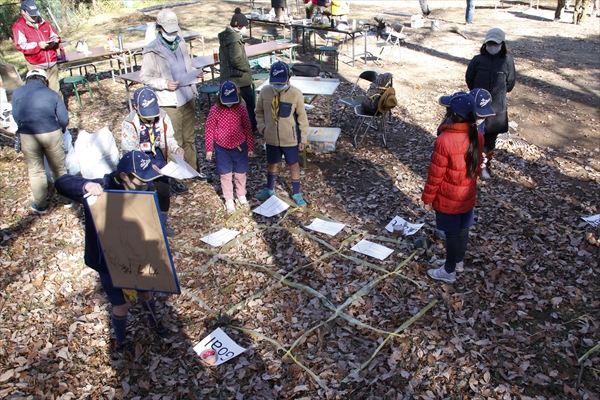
(353, 101)
(365, 118)
(394, 40)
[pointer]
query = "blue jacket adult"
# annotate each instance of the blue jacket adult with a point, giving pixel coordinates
(494, 73)
(72, 186)
(38, 109)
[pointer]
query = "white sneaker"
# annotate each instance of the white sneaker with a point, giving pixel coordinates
(460, 266)
(230, 206)
(243, 201)
(441, 275)
(485, 174)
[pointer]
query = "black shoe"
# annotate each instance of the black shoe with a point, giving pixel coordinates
(160, 330)
(124, 346)
(202, 177)
(178, 187)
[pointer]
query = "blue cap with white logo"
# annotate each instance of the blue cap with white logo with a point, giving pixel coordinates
(146, 102)
(280, 73)
(228, 93)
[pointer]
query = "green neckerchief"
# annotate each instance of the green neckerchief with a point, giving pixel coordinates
(173, 46)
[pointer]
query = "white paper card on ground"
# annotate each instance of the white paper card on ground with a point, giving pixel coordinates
(219, 238)
(372, 249)
(330, 228)
(403, 226)
(179, 169)
(273, 206)
(217, 348)
(593, 220)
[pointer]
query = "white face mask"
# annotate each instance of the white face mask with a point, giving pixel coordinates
(169, 37)
(278, 87)
(493, 48)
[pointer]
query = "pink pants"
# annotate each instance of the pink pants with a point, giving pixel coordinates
(227, 185)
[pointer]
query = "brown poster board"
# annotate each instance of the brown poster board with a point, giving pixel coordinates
(134, 242)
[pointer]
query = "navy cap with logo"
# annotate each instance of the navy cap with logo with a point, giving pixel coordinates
(146, 102)
(483, 102)
(139, 164)
(30, 7)
(228, 93)
(460, 102)
(280, 73)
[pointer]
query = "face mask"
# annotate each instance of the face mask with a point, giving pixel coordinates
(169, 37)
(278, 87)
(30, 19)
(132, 186)
(493, 49)
(149, 121)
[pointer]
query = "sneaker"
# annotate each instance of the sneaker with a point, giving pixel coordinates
(230, 206)
(264, 194)
(170, 232)
(178, 187)
(460, 266)
(125, 345)
(243, 201)
(299, 200)
(202, 177)
(160, 330)
(39, 210)
(485, 174)
(441, 275)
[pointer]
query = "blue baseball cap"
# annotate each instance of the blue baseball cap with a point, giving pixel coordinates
(483, 102)
(228, 93)
(139, 164)
(280, 73)
(146, 102)
(460, 102)
(30, 7)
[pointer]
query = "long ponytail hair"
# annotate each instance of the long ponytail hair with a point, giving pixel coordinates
(472, 157)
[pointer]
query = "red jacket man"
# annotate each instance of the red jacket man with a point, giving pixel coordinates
(38, 41)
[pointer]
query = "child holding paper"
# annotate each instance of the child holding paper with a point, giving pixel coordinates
(451, 180)
(149, 129)
(229, 135)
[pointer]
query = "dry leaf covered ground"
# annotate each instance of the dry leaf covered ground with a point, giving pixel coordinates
(319, 320)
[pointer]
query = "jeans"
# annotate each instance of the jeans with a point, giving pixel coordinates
(183, 119)
(424, 7)
(34, 148)
(456, 247)
(559, 8)
(470, 11)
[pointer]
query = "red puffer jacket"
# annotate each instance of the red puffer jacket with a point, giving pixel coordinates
(448, 187)
(26, 39)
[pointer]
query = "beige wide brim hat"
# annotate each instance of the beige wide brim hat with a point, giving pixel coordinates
(388, 100)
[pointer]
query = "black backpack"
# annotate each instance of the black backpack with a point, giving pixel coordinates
(309, 70)
(371, 99)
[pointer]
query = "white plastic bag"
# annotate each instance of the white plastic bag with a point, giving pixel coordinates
(71, 161)
(97, 153)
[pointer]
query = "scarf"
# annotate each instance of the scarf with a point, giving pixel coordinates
(172, 46)
(275, 106)
(148, 134)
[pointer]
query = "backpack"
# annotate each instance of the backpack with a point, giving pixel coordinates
(371, 99)
(309, 69)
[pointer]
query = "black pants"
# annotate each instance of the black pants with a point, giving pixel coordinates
(162, 192)
(456, 247)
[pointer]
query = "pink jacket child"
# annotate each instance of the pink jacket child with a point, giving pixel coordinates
(229, 136)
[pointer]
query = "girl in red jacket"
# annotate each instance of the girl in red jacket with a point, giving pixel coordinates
(451, 181)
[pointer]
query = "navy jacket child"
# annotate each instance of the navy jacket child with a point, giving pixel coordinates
(135, 171)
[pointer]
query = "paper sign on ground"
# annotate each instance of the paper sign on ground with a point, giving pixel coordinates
(405, 227)
(372, 249)
(273, 206)
(593, 220)
(330, 228)
(217, 348)
(220, 238)
(179, 169)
